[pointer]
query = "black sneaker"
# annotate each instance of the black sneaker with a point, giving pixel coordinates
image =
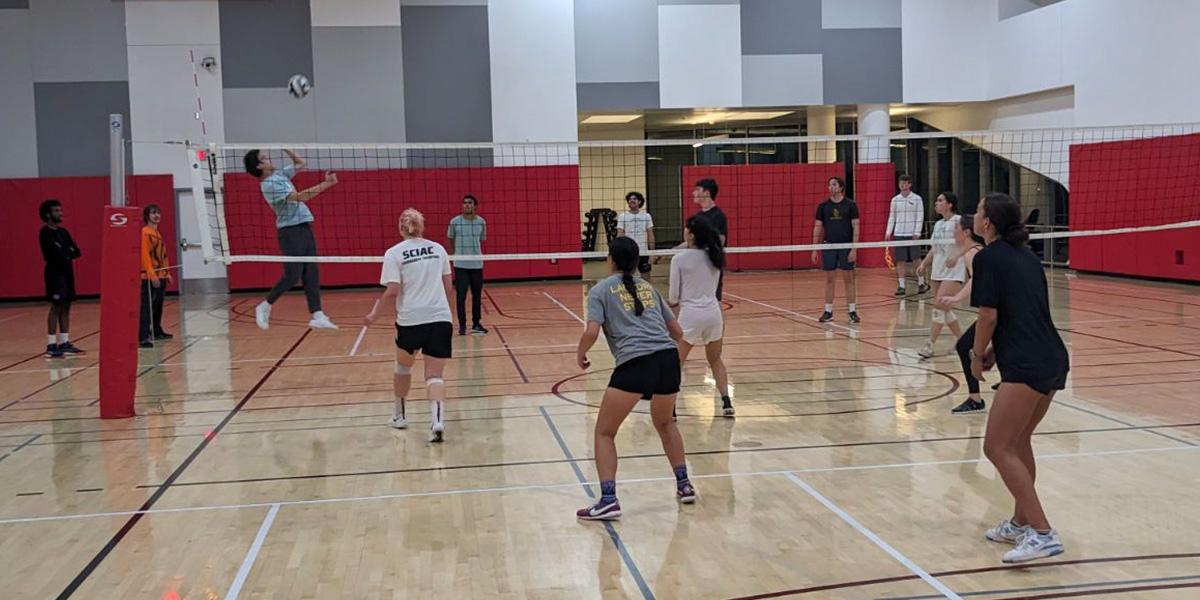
(53, 351)
(854, 317)
(145, 344)
(462, 331)
(995, 386)
(162, 335)
(69, 349)
(969, 406)
(924, 287)
(900, 291)
(727, 408)
(825, 317)
(478, 330)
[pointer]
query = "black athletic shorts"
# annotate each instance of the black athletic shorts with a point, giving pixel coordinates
(644, 264)
(60, 286)
(906, 254)
(832, 260)
(648, 375)
(1041, 386)
(432, 339)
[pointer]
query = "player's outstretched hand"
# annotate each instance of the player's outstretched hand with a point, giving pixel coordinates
(369, 320)
(583, 361)
(331, 178)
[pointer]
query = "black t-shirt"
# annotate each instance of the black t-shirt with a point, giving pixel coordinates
(837, 217)
(1010, 279)
(58, 249)
(715, 217)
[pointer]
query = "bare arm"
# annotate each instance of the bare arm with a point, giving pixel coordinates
(854, 251)
(818, 227)
(297, 162)
(393, 290)
(985, 326)
(650, 238)
(674, 329)
(590, 334)
(447, 287)
(331, 180)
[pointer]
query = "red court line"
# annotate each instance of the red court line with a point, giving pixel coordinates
(1041, 565)
(516, 363)
(1113, 590)
(43, 353)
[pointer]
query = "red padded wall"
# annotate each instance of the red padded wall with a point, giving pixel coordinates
(1135, 184)
(767, 205)
(524, 208)
(83, 200)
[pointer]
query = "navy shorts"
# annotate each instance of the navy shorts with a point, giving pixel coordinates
(836, 259)
(432, 339)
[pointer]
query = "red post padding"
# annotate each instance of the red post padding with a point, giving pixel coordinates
(119, 306)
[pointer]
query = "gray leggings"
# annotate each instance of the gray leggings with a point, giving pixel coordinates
(298, 240)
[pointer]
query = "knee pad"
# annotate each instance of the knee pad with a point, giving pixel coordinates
(401, 369)
(432, 381)
(939, 316)
(950, 317)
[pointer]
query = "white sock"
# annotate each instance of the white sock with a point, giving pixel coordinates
(901, 278)
(265, 305)
(437, 407)
(51, 339)
(829, 308)
(398, 411)
(852, 307)
(64, 338)
(920, 280)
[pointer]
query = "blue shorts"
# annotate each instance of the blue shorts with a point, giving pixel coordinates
(836, 259)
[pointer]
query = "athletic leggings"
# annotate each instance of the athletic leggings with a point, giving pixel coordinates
(964, 345)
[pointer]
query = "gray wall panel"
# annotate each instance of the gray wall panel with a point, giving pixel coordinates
(18, 130)
(616, 41)
(78, 40)
(14, 4)
(447, 74)
(269, 115)
(781, 27)
(362, 84)
(265, 42)
(72, 126)
(862, 65)
(606, 96)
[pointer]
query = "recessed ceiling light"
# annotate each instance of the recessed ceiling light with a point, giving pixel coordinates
(609, 119)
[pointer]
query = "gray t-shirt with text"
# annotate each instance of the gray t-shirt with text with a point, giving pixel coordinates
(630, 336)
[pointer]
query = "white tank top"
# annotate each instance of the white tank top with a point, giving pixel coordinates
(943, 246)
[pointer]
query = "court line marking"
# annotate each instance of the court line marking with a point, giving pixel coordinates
(878, 541)
(461, 491)
(794, 313)
(1047, 588)
(13, 317)
(564, 307)
(252, 554)
(608, 526)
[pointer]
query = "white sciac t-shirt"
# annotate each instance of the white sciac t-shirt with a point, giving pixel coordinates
(636, 226)
(418, 266)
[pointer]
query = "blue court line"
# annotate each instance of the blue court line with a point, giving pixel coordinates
(27, 442)
(612, 532)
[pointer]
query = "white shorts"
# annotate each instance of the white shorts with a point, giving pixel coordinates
(701, 327)
(940, 272)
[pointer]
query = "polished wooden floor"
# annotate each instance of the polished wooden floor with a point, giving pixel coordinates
(261, 466)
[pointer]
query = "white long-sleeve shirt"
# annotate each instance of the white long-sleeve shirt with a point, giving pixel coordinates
(907, 216)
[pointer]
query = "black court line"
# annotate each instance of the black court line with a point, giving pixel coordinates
(18, 448)
(160, 362)
(30, 494)
(1047, 588)
(1028, 566)
(162, 489)
(552, 461)
(74, 372)
(43, 353)
(516, 363)
(1116, 420)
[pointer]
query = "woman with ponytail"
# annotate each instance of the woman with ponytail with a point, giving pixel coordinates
(969, 244)
(416, 272)
(1009, 289)
(695, 273)
(641, 332)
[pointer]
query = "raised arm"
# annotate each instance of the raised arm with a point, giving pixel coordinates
(331, 179)
(297, 162)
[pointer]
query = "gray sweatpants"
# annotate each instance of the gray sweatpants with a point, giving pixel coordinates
(298, 240)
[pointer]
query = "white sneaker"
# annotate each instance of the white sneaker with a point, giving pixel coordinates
(1007, 533)
(926, 350)
(262, 314)
(320, 321)
(436, 431)
(1035, 545)
(398, 422)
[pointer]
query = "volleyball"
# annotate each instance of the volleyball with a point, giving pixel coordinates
(298, 86)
